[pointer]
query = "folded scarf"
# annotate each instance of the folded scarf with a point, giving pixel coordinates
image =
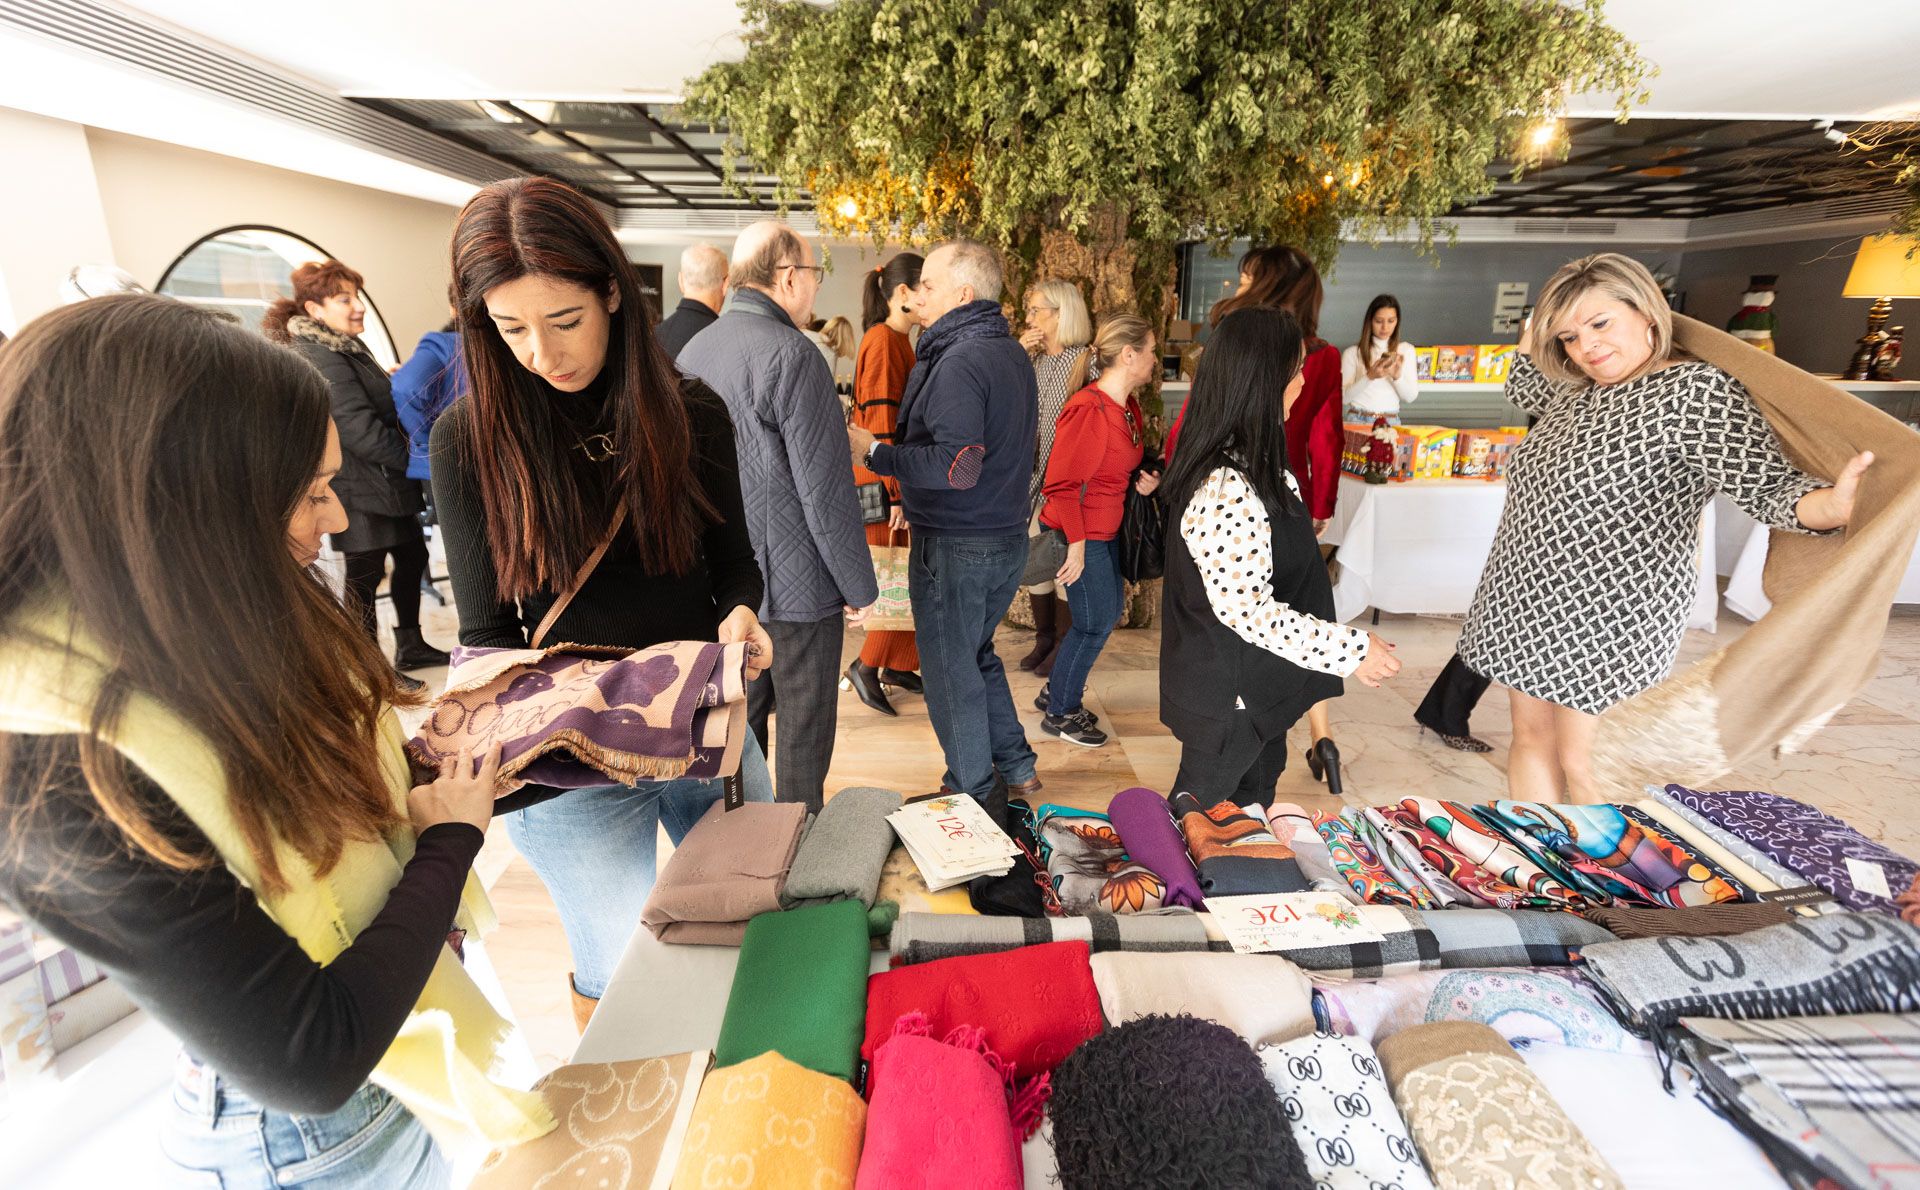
(1784, 676)
(1025, 890)
(1088, 864)
(1653, 1138)
(1262, 997)
(1611, 853)
(1812, 843)
(1404, 860)
(1832, 1098)
(1342, 1113)
(1169, 1103)
(1233, 852)
(1355, 862)
(730, 867)
(925, 937)
(1840, 964)
(845, 849)
(1481, 1119)
(773, 1125)
(1035, 1003)
(1754, 868)
(1509, 937)
(1148, 832)
(940, 1119)
(800, 989)
(619, 1121)
(1521, 1004)
(1293, 825)
(1704, 921)
(572, 716)
(902, 885)
(1407, 944)
(1475, 857)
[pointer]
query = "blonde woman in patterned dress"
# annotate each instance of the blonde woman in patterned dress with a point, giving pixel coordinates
(1585, 595)
(1059, 337)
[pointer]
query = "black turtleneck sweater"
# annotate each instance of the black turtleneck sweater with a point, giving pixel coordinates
(624, 603)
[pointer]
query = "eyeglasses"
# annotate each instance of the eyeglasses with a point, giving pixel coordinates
(819, 271)
(1133, 427)
(1032, 310)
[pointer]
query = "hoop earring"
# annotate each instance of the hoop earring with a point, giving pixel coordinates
(1651, 337)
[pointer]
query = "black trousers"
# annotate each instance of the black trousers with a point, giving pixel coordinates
(802, 687)
(1243, 771)
(1451, 699)
(365, 569)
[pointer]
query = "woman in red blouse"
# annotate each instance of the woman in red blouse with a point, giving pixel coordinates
(1283, 276)
(879, 378)
(1097, 448)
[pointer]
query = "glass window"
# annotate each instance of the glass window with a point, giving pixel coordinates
(243, 270)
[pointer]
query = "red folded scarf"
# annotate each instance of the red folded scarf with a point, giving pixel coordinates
(1034, 1004)
(943, 1115)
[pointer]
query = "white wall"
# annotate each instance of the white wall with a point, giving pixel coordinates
(839, 293)
(51, 216)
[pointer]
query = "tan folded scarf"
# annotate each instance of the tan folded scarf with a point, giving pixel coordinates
(1788, 674)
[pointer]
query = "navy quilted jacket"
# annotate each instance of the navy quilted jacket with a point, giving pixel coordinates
(794, 475)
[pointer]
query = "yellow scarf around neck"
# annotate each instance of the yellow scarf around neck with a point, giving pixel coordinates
(439, 1064)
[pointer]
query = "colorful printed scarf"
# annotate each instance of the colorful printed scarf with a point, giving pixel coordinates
(1404, 860)
(571, 716)
(1476, 858)
(1612, 853)
(1089, 866)
(1234, 852)
(1815, 844)
(1361, 868)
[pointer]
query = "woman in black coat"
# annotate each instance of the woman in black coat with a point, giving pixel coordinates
(322, 321)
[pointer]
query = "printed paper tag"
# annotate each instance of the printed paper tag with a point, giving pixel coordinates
(1264, 923)
(1869, 877)
(1806, 894)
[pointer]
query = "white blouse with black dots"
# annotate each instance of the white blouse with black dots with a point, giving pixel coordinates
(1227, 531)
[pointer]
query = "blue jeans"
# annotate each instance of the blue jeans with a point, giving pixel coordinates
(960, 588)
(216, 1138)
(595, 850)
(1095, 600)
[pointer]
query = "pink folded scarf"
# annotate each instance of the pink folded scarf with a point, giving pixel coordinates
(943, 1113)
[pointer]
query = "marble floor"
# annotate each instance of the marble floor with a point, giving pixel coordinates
(1865, 767)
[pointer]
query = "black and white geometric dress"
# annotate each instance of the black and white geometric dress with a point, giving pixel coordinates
(1586, 591)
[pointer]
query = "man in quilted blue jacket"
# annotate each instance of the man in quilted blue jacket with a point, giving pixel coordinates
(802, 513)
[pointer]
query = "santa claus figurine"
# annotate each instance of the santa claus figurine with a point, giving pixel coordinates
(1755, 322)
(1381, 442)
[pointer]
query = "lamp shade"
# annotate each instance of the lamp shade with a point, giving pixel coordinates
(1882, 268)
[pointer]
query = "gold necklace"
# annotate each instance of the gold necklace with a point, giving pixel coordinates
(597, 447)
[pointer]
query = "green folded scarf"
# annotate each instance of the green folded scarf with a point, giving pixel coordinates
(800, 989)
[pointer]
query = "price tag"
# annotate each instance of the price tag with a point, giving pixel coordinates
(1271, 922)
(1869, 878)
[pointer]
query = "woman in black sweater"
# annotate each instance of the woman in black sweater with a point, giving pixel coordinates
(576, 426)
(1248, 641)
(163, 738)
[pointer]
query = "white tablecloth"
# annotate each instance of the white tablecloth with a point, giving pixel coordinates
(1419, 547)
(1745, 595)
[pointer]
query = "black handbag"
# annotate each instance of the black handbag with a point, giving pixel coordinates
(1142, 543)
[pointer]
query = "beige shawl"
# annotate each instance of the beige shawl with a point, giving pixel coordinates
(1787, 675)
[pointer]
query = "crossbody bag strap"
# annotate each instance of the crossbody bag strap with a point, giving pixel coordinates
(580, 578)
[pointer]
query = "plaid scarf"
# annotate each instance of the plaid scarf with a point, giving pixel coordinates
(1509, 937)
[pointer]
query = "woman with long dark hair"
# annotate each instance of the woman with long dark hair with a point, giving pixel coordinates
(1248, 641)
(322, 321)
(577, 432)
(1377, 374)
(879, 381)
(202, 783)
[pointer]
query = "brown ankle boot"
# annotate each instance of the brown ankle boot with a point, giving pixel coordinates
(583, 1006)
(1043, 639)
(1062, 622)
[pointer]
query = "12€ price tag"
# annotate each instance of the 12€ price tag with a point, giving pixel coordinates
(1262, 924)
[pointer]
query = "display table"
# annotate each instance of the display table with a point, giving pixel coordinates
(1419, 547)
(1745, 595)
(665, 998)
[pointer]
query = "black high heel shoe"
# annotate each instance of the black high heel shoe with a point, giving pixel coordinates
(1323, 761)
(865, 682)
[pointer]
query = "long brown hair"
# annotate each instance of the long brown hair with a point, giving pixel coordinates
(312, 282)
(1364, 348)
(546, 506)
(1282, 276)
(151, 455)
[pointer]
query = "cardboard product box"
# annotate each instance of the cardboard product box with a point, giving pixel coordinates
(1189, 360)
(1353, 448)
(1453, 365)
(1180, 331)
(1501, 444)
(1494, 362)
(1402, 457)
(1433, 450)
(1423, 364)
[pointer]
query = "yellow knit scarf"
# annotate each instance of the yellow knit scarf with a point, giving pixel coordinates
(438, 1066)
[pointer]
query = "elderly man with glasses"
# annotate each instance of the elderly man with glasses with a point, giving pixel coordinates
(802, 513)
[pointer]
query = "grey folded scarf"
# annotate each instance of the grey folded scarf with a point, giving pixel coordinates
(841, 857)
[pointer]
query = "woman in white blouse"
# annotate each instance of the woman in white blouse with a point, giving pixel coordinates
(1248, 639)
(1377, 374)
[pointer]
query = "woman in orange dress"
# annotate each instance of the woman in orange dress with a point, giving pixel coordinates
(879, 379)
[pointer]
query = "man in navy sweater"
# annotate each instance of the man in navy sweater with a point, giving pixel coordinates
(963, 454)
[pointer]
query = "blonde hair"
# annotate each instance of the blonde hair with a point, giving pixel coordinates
(839, 335)
(1076, 327)
(1619, 277)
(1117, 333)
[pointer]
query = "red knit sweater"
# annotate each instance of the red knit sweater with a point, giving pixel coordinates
(1094, 456)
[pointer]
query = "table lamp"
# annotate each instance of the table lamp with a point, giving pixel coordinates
(1882, 270)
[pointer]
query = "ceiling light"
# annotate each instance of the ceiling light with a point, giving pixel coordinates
(1326, 180)
(1545, 133)
(849, 209)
